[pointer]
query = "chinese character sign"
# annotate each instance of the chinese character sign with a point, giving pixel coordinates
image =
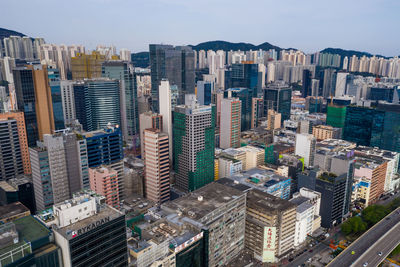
(268, 254)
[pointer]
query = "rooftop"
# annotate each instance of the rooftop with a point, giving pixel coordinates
(106, 212)
(267, 202)
(203, 201)
(12, 210)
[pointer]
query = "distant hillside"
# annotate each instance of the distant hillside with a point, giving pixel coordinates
(4, 33)
(347, 53)
(227, 46)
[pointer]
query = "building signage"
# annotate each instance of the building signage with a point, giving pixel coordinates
(88, 227)
(268, 254)
(188, 242)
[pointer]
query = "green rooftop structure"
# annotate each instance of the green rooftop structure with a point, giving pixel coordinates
(34, 245)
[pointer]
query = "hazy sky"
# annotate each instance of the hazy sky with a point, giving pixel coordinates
(309, 25)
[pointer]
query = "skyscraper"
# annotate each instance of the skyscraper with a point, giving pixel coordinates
(68, 101)
(43, 101)
(194, 144)
(156, 162)
(33, 94)
(175, 64)
(25, 93)
(359, 124)
(257, 111)
(103, 181)
(104, 147)
(83, 108)
(149, 120)
(56, 99)
(123, 71)
(166, 112)
(305, 147)
(278, 96)
(23, 141)
(230, 123)
(245, 96)
(306, 83)
(49, 172)
(10, 151)
(87, 66)
(245, 75)
(97, 103)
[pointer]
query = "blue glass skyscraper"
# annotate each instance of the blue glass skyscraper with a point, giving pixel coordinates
(54, 82)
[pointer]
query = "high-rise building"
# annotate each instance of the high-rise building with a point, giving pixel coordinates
(305, 147)
(149, 120)
(156, 162)
(165, 109)
(384, 129)
(359, 124)
(175, 64)
(123, 71)
(306, 83)
(257, 111)
(273, 120)
(211, 207)
(49, 172)
(270, 226)
(245, 96)
(278, 97)
(103, 181)
(56, 99)
(68, 101)
(336, 116)
(86, 219)
(246, 75)
(87, 66)
(194, 144)
(97, 103)
(10, 151)
(26, 101)
(230, 123)
(104, 147)
(44, 103)
(23, 141)
(83, 108)
(105, 102)
(322, 132)
(204, 91)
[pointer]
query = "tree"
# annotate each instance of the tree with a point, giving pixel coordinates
(346, 227)
(374, 213)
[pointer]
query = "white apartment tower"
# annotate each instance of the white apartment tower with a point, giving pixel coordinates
(230, 123)
(305, 147)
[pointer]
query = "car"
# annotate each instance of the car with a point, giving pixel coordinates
(310, 250)
(309, 260)
(304, 250)
(380, 253)
(291, 259)
(365, 264)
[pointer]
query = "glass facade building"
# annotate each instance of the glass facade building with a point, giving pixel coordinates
(82, 106)
(54, 82)
(386, 127)
(25, 94)
(175, 64)
(244, 75)
(278, 96)
(358, 124)
(123, 71)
